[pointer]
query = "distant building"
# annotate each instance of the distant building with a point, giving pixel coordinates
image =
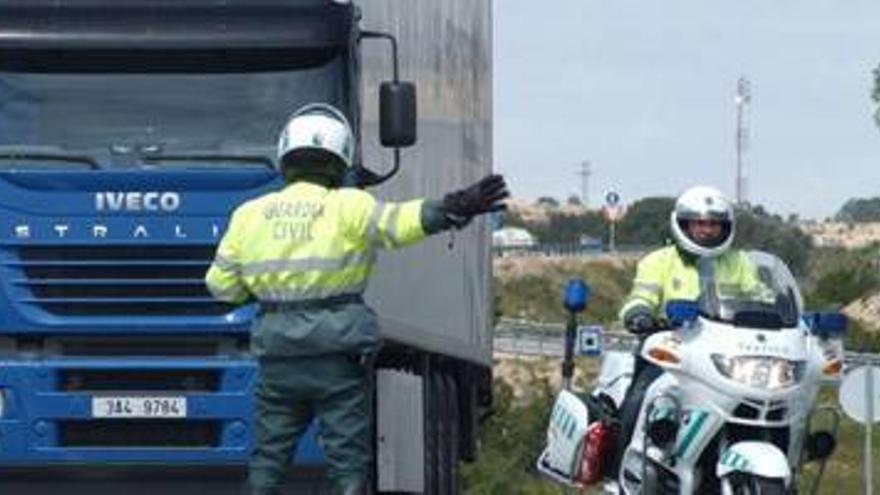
(512, 237)
(588, 242)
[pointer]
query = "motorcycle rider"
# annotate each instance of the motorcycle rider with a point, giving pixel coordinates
(703, 226)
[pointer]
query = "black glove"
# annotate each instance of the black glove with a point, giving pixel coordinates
(639, 322)
(483, 197)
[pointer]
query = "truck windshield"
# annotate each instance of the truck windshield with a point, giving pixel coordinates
(213, 119)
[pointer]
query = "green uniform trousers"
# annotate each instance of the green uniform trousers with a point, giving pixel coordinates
(335, 389)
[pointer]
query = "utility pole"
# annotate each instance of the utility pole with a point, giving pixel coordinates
(586, 170)
(743, 98)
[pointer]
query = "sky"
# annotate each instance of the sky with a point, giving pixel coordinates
(645, 91)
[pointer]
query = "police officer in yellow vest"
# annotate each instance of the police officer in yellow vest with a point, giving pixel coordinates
(306, 253)
(702, 224)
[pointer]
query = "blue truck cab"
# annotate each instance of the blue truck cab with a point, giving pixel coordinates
(128, 134)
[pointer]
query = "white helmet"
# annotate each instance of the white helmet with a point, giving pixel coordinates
(316, 127)
(706, 203)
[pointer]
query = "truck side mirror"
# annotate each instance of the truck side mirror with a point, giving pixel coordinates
(397, 114)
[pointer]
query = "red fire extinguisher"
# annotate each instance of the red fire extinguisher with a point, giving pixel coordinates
(598, 443)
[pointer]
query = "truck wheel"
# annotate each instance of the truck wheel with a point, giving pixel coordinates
(441, 396)
(452, 438)
(431, 418)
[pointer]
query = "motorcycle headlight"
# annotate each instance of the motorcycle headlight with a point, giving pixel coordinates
(769, 373)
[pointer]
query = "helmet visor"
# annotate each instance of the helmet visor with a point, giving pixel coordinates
(706, 232)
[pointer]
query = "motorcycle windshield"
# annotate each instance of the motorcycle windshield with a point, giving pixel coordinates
(758, 291)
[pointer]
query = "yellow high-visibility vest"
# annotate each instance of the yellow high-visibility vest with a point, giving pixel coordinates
(663, 276)
(308, 242)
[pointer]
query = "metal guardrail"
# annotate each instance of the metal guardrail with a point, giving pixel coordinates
(572, 250)
(525, 337)
(546, 339)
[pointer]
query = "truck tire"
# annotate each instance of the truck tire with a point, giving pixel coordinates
(441, 397)
(430, 425)
(442, 434)
(453, 433)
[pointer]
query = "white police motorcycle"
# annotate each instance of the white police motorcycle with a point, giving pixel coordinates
(731, 411)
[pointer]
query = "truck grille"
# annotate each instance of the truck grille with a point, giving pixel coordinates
(95, 380)
(119, 433)
(138, 280)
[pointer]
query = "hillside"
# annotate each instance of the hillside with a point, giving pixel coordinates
(646, 224)
(865, 310)
(531, 287)
(860, 210)
(834, 279)
(842, 234)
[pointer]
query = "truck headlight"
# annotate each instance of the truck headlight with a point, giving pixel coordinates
(769, 373)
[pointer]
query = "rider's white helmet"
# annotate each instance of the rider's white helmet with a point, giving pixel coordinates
(317, 127)
(707, 203)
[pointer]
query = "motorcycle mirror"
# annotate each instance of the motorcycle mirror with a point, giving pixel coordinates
(827, 325)
(576, 295)
(679, 311)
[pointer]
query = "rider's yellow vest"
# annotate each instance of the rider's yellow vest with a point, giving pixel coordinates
(308, 242)
(664, 275)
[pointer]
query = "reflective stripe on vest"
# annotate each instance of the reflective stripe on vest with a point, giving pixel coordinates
(308, 242)
(306, 264)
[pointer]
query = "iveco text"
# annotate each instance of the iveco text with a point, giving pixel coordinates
(137, 201)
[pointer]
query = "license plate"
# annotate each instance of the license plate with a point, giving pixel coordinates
(138, 407)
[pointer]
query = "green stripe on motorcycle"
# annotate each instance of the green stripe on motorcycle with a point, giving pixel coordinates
(694, 426)
(735, 461)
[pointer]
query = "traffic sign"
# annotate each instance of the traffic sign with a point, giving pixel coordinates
(590, 340)
(614, 213)
(612, 198)
(856, 391)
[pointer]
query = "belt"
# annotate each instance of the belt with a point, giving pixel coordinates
(307, 304)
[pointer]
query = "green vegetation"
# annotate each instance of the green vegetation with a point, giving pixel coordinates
(859, 210)
(536, 294)
(843, 473)
(837, 277)
(511, 440)
(646, 222)
(757, 229)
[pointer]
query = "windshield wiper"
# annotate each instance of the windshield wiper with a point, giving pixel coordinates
(46, 154)
(208, 159)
